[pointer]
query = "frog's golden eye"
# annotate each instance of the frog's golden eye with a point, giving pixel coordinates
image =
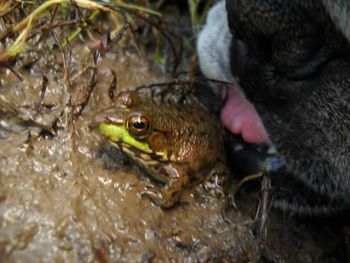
(138, 125)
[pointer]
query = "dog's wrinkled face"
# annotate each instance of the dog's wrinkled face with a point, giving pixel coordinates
(293, 64)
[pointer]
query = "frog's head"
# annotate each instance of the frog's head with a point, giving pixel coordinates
(129, 125)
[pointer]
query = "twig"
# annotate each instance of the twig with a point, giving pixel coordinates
(158, 26)
(113, 88)
(264, 203)
(91, 86)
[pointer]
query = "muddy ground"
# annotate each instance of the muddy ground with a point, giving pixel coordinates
(68, 196)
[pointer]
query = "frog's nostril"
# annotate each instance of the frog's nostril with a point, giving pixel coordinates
(99, 118)
(92, 125)
(111, 116)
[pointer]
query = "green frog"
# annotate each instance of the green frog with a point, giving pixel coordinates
(178, 145)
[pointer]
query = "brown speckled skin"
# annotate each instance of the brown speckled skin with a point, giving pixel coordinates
(192, 138)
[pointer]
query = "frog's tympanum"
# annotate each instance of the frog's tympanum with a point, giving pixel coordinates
(178, 145)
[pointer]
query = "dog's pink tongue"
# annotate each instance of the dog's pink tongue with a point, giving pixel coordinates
(240, 117)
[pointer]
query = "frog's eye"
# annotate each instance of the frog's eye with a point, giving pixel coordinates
(138, 125)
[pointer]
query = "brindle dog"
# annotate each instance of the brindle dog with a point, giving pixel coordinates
(292, 60)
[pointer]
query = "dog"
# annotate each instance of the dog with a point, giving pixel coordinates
(289, 65)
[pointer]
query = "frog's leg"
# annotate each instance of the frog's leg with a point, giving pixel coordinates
(169, 194)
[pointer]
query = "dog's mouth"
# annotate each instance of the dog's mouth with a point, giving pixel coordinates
(240, 117)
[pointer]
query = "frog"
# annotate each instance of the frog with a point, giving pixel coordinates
(179, 146)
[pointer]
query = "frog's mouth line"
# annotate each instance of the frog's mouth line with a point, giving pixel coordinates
(145, 159)
(149, 158)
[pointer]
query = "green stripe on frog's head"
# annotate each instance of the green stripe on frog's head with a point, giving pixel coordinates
(129, 125)
(118, 133)
(140, 151)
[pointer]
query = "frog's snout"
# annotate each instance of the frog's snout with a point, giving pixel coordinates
(110, 116)
(96, 120)
(100, 117)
